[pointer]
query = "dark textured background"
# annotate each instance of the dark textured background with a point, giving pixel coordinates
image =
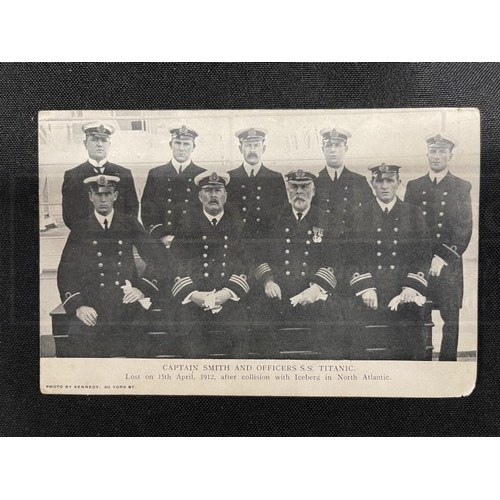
(27, 88)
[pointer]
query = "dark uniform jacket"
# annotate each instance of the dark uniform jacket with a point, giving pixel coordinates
(341, 197)
(447, 209)
(208, 257)
(167, 197)
(251, 197)
(296, 253)
(76, 204)
(96, 263)
(388, 251)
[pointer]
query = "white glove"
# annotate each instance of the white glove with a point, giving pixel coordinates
(436, 266)
(132, 294)
(308, 296)
(370, 299)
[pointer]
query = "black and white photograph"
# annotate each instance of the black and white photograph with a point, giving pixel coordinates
(258, 252)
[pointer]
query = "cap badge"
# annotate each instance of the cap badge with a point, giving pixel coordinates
(438, 138)
(101, 181)
(252, 132)
(214, 177)
(300, 174)
(101, 128)
(383, 167)
(334, 133)
(318, 235)
(183, 129)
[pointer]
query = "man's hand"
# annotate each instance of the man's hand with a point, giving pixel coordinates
(273, 290)
(167, 240)
(198, 298)
(222, 296)
(308, 296)
(87, 315)
(131, 294)
(408, 295)
(436, 266)
(370, 299)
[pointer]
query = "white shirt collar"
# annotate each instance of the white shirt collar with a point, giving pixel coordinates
(304, 213)
(98, 164)
(389, 206)
(248, 168)
(178, 165)
(100, 218)
(211, 217)
(331, 171)
(438, 175)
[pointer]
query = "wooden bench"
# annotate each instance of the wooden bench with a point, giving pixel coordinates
(287, 343)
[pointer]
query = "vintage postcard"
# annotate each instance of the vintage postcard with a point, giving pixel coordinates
(259, 252)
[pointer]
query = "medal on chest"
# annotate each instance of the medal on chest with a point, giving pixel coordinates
(318, 234)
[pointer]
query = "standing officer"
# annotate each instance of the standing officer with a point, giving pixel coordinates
(169, 192)
(389, 255)
(211, 280)
(338, 189)
(75, 201)
(254, 187)
(296, 264)
(98, 279)
(445, 201)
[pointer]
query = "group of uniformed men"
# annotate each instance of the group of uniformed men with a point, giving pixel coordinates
(250, 252)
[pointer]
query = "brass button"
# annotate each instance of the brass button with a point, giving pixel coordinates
(287, 251)
(424, 213)
(309, 232)
(243, 198)
(205, 255)
(206, 247)
(394, 254)
(308, 242)
(424, 203)
(287, 273)
(379, 229)
(304, 264)
(258, 209)
(379, 254)
(120, 242)
(117, 283)
(438, 235)
(287, 230)
(101, 275)
(258, 188)
(443, 203)
(302, 273)
(94, 242)
(120, 253)
(169, 200)
(169, 211)
(99, 254)
(119, 264)
(100, 264)
(288, 241)
(306, 253)
(379, 267)
(392, 266)
(223, 264)
(244, 209)
(441, 214)
(225, 246)
(102, 285)
(186, 201)
(169, 223)
(258, 220)
(203, 237)
(379, 242)
(222, 274)
(287, 262)
(257, 197)
(440, 225)
(396, 229)
(205, 264)
(395, 242)
(206, 275)
(328, 200)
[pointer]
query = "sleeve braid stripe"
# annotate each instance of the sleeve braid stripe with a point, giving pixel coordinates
(181, 284)
(451, 250)
(262, 269)
(327, 275)
(360, 278)
(70, 297)
(238, 280)
(152, 284)
(418, 278)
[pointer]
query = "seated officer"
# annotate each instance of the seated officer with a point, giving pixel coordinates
(296, 259)
(389, 255)
(211, 280)
(98, 279)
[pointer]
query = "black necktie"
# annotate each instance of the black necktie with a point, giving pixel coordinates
(335, 178)
(386, 210)
(214, 221)
(180, 170)
(105, 224)
(435, 181)
(251, 174)
(299, 215)
(99, 169)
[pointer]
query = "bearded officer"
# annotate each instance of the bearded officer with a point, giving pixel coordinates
(170, 192)
(254, 188)
(338, 189)
(389, 256)
(296, 266)
(211, 281)
(76, 205)
(445, 202)
(98, 280)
